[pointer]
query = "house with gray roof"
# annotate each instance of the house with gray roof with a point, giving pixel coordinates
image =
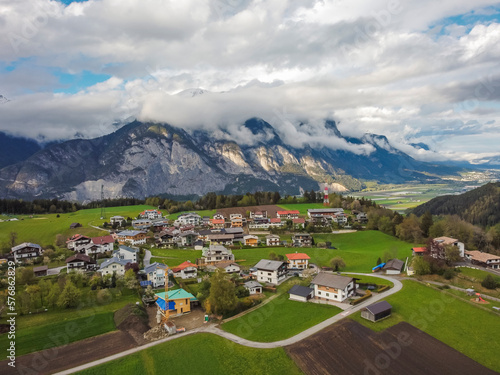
(253, 287)
(393, 267)
(155, 273)
(330, 287)
(26, 251)
(127, 253)
(271, 271)
(113, 265)
(300, 293)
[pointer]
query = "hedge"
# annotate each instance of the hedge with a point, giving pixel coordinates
(359, 300)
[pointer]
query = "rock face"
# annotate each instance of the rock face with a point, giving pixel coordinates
(142, 159)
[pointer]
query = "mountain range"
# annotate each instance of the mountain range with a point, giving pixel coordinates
(145, 159)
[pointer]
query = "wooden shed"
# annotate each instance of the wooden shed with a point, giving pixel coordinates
(377, 311)
(40, 271)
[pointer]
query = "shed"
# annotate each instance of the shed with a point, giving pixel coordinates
(377, 311)
(300, 293)
(393, 267)
(40, 271)
(75, 225)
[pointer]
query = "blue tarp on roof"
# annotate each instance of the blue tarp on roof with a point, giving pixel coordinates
(146, 283)
(161, 304)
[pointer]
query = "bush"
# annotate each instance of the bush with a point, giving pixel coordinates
(104, 296)
(489, 282)
(449, 273)
(359, 300)
(383, 288)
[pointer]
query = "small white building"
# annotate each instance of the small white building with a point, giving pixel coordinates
(155, 273)
(298, 260)
(331, 287)
(253, 287)
(272, 240)
(127, 253)
(190, 218)
(271, 271)
(228, 267)
(117, 219)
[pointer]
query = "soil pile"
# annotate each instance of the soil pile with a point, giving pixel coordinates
(132, 319)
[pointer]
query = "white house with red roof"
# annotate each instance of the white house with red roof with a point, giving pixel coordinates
(77, 241)
(186, 270)
(288, 214)
(103, 243)
(151, 214)
(298, 260)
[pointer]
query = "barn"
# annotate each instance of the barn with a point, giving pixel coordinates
(377, 311)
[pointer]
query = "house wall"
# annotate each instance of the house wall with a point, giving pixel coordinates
(392, 272)
(120, 269)
(332, 294)
(295, 297)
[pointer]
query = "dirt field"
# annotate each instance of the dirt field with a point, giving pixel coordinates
(57, 359)
(348, 348)
(271, 210)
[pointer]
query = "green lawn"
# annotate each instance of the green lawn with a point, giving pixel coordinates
(459, 324)
(359, 250)
(174, 257)
(279, 319)
(370, 279)
(35, 338)
(477, 274)
(202, 353)
(301, 207)
(42, 229)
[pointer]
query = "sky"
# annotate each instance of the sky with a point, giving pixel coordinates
(415, 71)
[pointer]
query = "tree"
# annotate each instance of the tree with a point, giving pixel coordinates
(409, 230)
(452, 254)
(12, 239)
(27, 276)
(70, 296)
(426, 223)
(60, 242)
(49, 253)
(489, 282)
(379, 261)
(130, 279)
(222, 297)
(386, 226)
(45, 286)
(272, 255)
(35, 295)
(421, 266)
(54, 293)
(337, 263)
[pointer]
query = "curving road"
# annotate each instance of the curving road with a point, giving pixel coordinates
(253, 344)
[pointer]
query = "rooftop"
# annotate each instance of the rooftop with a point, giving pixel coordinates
(297, 256)
(300, 290)
(480, 256)
(26, 244)
(379, 307)
(269, 265)
(332, 281)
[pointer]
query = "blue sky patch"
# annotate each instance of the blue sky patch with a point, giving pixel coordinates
(72, 83)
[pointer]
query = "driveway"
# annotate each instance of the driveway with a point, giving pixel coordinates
(147, 258)
(55, 271)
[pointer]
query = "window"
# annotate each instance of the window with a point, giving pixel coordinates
(319, 293)
(328, 294)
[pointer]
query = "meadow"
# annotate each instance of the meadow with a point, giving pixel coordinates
(460, 324)
(202, 353)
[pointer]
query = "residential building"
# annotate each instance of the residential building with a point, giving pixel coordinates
(236, 220)
(329, 287)
(251, 240)
(40, 271)
(228, 266)
(276, 222)
(132, 237)
(393, 267)
(221, 239)
(272, 240)
(77, 241)
(128, 253)
(362, 218)
(102, 244)
(299, 223)
(437, 251)
(142, 224)
(218, 221)
(419, 251)
(483, 259)
(117, 219)
(323, 212)
(214, 254)
(271, 271)
(26, 251)
(302, 240)
(155, 274)
(238, 233)
(300, 293)
(298, 261)
(166, 238)
(253, 287)
(186, 270)
(205, 221)
(80, 262)
(113, 265)
(288, 214)
(190, 218)
(376, 311)
(187, 238)
(150, 214)
(258, 215)
(175, 302)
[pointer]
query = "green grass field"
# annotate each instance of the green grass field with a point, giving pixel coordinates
(200, 354)
(360, 250)
(370, 279)
(279, 319)
(174, 257)
(459, 324)
(42, 229)
(301, 207)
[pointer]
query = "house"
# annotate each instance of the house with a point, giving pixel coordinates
(393, 267)
(190, 218)
(271, 271)
(253, 287)
(132, 237)
(483, 259)
(150, 214)
(214, 254)
(299, 223)
(236, 220)
(238, 233)
(330, 287)
(111, 265)
(100, 245)
(228, 266)
(155, 274)
(175, 302)
(300, 293)
(76, 241)
(142, 224)
(419, 251)
(362, 218)
(288, 214)
(40, 271)
(25, 251)
(298, 260)
(187, 238)
(166, 238)
(186, 270)
(276, 222)
(74, 225)
(251, 240)
(272, 240)
(376, 311)
(128, 253)
(312, 212)
(80, 262)
(221, 239)
(258, 215)
(340, 218)
(218, 221)
(199, 245)
(446, 241)
(302, 240)
(117, 219)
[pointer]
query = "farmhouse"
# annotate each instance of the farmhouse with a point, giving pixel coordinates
(331, 287)
(272, 240)
(276, 222)
(302, 240)
(376, 311)
(251, 240)
(483, 259)
(299, 223)
(177, 302)
(228, 266)
(26, 251)
(214, 254)
(127, 253)
(155, 274)
(288, 214)
(300, 293)
(298, 260)
(393, 267)
(80, 262)
(113, 265)
(271, 271)
(132, 237)
(185, 270)
(166, 238)
(253, 287)
(40, 271)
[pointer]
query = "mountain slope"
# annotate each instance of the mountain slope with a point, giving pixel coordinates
(142, 159)
(15, 149)
(480, 206)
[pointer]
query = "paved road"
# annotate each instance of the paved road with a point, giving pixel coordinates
(147, 258)
(485, 296)
(55, 271)
(253, 344)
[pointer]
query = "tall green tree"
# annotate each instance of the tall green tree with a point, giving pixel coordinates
(426, 223)
(70, 296)
(222, 294)
(337, 263)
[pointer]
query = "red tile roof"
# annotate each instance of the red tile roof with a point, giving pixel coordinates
(218, 221)
(297, 256)
(299, 220)
(275, 220)
(181, 266)
(289, 212)
(103, 240)
(419, 249)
